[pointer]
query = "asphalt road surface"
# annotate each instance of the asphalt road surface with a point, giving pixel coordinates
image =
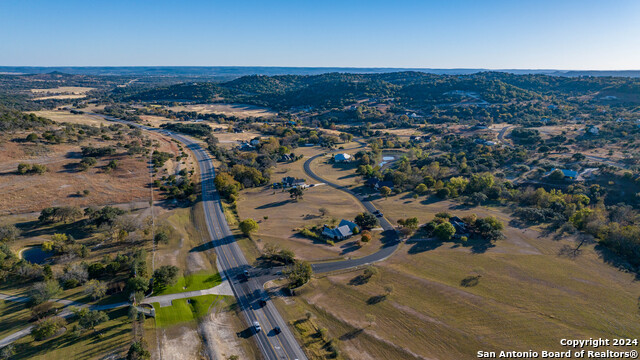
(231, 260)
(390, 236)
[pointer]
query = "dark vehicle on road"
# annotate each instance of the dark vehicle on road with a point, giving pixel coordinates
(277, 330)
(377, 213)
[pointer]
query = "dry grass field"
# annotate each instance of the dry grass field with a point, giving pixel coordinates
(231, 139)
(59, 186)
(62, 92)
(63, 116)
(340, 173)
(61, 183)
(237, 110)
(527, 297)
(154, 120)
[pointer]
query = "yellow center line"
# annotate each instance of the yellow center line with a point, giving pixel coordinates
(264, 318)
(221, 236)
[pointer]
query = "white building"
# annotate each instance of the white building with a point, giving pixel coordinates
(342, 158)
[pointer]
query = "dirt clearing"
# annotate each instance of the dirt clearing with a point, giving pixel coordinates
(237, 110)
(218, 332)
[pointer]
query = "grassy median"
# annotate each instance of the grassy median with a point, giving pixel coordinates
(185, 310)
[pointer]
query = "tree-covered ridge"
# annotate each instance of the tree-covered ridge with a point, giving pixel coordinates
(411, 89)
(205, 91)
(16, 120)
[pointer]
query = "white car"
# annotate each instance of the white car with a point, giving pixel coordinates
(256, 326)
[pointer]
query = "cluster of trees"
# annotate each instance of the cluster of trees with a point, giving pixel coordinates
(165, 275)
(366, 221)
(11, 120)
(197, 130)
(87, 320)
(293, 137)
(60, 214)
(120, 112)
(177, 187)
(540, 205)
(524, 136)
(90, 151)
(616, 227)
(25, 169)
(227, 186)
(61, 244)
(159, 158)
(86, 163)
(488, 228)
(297, 271)
(273, 252)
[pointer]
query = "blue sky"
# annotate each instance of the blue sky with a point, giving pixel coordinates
(494, 34)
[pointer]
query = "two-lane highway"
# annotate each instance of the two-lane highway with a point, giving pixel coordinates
(231, 259)
(232, 263)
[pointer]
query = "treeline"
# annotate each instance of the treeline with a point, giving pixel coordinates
(198, 130)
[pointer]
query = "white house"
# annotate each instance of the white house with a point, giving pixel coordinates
(593, 130)
(342, 158)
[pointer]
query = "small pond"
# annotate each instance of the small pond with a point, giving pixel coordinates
(36, 255)
(386, 159)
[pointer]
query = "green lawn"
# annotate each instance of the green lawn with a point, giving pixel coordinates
(185, 310)
(13, 317)
(110, 338)
(193, 282)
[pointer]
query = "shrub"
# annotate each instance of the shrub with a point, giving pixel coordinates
(9, 233)
(366, 220)
(161, 237)
(44, 291)
(96, 289)
(87, 162)
(166, 275)
(298, 273)
(74, 275)
(42, 310)
(444, 231)
(247, 226)
(443, 193)
(138, 351)
(89, 319)
(47, 327)
(490, 228)
(96, 270)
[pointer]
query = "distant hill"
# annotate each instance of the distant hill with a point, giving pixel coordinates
(231, 72)
(339, 89)
(410, 88)
(198, 92)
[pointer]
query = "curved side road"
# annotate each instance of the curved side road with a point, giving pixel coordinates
(392, 239)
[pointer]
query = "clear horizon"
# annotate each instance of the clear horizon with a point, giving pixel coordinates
(308, 67)
(459, 34)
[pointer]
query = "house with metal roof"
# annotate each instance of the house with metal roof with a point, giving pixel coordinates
(344, 230)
